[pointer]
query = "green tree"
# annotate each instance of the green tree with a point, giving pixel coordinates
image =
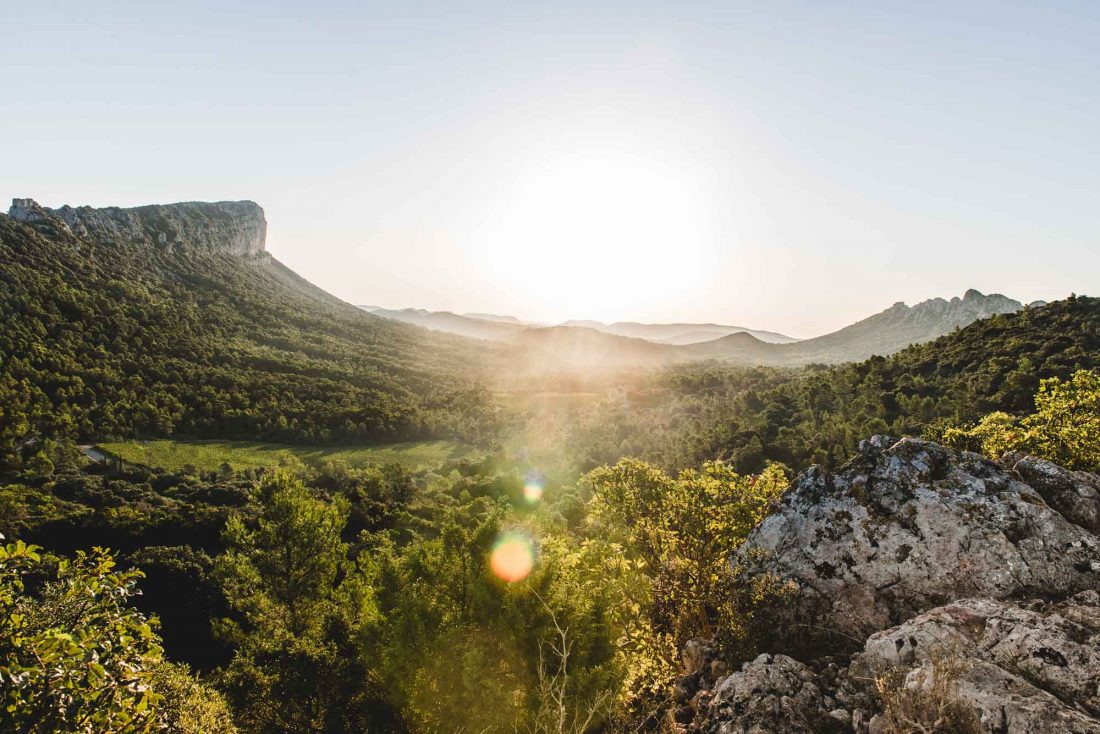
(684, 530)
(299, 605)
(74, 658)
(1064, 428)
(668, 543)
(187, 705)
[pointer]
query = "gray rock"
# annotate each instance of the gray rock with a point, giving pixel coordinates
(229, 227)
(696, 655)
(907, 526)
(1024, 670)
(1074, 494)
(772, 694)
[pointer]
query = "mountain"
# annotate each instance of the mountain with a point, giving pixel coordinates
(884, 333)
(574, 344)
(679, 333)
(565, 348)
(504, 328)
(452, 323)
(504, 319)
(162, 320)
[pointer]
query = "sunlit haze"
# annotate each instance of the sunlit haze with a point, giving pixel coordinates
(779, 166)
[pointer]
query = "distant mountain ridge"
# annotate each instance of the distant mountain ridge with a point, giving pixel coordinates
(460, 324)
(884, 333)
(679, 333)
(575, 344)
(498, 327)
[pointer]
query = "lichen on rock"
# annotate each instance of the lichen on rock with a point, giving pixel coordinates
(910, 554)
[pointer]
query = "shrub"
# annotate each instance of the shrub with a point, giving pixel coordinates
(926, 700)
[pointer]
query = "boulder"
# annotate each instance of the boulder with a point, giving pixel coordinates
(1075, 494)
(910, 525)
(1022, 668)
(771, 695)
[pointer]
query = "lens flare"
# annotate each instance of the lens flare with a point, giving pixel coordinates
(532, 491)
(512, 557)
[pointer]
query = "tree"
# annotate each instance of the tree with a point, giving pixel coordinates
(299, 604)
(75, 658)
(671, 541)
(684, 530)
(1064, 428)
(187, 705)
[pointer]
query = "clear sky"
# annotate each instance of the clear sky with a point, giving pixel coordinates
(789, 166)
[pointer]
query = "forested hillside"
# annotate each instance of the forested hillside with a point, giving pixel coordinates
(111, 337)
(693, 413)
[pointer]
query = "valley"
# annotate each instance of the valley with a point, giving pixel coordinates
(347, 520)
(550, 368)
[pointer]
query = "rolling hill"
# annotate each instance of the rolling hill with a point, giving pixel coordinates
(574, 344)
(452, 323)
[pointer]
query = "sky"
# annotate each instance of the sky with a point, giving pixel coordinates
(783, 166)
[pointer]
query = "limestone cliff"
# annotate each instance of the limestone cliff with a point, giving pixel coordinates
(230, 227)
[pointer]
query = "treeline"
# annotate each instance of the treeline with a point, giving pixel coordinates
(123, 340)
(751, 416)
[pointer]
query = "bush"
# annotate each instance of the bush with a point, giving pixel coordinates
(1064, 428)
(926, 700)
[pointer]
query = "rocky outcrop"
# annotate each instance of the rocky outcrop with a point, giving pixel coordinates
(1074, 494)
(1024, 668)
(908, 556)
(773, 694)
(909, 525)
(230, 227)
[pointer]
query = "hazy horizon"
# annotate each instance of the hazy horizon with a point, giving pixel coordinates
(793, 169)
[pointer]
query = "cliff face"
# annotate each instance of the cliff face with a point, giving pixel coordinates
(230, 227)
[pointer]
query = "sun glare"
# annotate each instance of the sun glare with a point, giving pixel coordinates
(598, 232)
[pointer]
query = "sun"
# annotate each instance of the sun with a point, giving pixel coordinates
(600, 232)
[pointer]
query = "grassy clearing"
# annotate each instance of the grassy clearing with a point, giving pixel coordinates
(209, 455)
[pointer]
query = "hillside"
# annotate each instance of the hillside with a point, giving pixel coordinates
(472, 327)
(883, 334)
(694, 412)
(173, 319)
(573, 344)
(565, 348)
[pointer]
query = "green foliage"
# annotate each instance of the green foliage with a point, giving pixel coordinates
(187, 705)
(683, 531)
(108, 339)
(175, 455)
(690, 414)
(74, 658)
(1064, 428)
(672, 540)
(298, 604)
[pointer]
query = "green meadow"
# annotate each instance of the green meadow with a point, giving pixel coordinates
(209, 455)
